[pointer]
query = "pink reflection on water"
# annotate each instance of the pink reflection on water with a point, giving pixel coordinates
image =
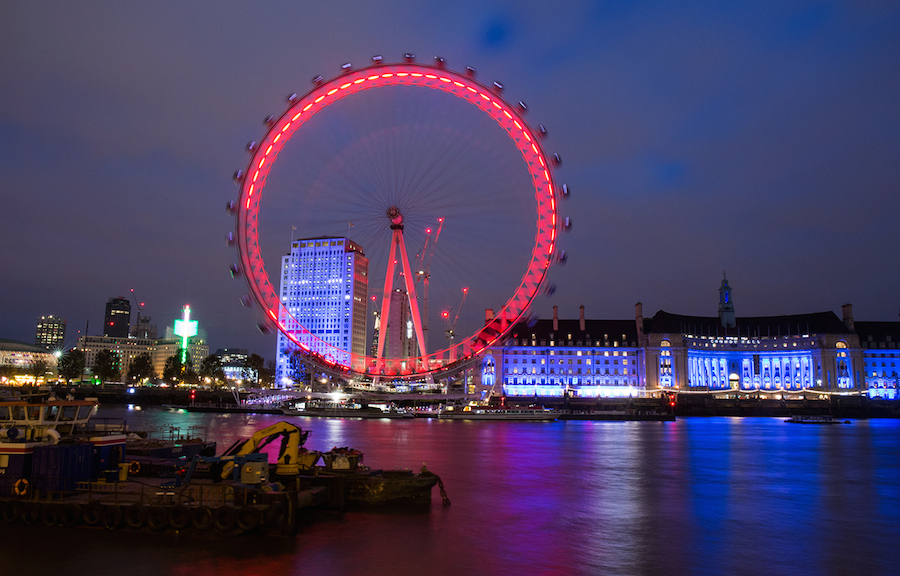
(703, 495)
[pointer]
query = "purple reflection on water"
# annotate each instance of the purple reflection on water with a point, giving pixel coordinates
(696, 496)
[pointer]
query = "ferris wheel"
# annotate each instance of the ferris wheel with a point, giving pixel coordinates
(381, 154)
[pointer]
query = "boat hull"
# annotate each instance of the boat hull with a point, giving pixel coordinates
(619, 417)
(349, 414)
(815, 420)
(514, 416)
(389, 486)
(224, 409)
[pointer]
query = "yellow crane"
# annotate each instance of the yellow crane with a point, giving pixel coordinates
(288, 463)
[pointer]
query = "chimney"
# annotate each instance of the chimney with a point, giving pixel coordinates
(639, 322)
(581, 318)
(488, 315)
(848, 317)
(555, 319)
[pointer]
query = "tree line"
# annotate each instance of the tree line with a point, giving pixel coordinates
(71, 366)
(259, 372)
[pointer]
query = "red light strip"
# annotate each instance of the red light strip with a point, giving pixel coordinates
(400, 74)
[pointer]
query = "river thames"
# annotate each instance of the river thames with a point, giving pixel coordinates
(695, 496)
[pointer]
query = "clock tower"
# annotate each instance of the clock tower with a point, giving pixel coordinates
(726, 306)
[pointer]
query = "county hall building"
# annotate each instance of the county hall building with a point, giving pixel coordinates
(673, 352)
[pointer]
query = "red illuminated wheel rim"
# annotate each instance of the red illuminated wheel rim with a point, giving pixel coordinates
(302, 109)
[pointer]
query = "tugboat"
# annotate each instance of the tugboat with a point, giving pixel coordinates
(320, 409)
(50, 417)
(491, 413)
(826, 419)
(47, 446)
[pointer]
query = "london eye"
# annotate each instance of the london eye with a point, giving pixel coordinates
(437, 178)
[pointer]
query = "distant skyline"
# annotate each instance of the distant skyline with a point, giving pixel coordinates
(759, 139)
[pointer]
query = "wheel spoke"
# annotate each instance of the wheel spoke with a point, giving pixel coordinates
(406, 140)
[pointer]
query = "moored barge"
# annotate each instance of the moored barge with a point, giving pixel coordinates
(89, 478)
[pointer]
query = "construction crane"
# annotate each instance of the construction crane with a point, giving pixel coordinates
(451, 328)
(423, 274)
(139, 305)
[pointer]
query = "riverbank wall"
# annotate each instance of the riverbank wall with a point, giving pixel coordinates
(695, 404)
(692, 404)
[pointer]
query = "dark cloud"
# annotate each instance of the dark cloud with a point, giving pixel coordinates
(498, 32)
(760, 138)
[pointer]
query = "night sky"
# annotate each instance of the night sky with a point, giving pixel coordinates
(760, 138)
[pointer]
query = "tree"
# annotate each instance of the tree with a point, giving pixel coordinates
(37, 369)
(190, 375)
(7, 371)
(176, 371)
(253, 367)
(211, 367)
(173, 369)
(106, 366)
(141, 367)
(71, 365)
(268, 373)
(297, 370)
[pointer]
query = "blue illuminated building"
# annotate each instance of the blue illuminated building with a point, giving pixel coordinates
(324, 283)
(775, 353)
(770, 354)
(232, 361)
(882, 357)
(589, 358)
(781, 355)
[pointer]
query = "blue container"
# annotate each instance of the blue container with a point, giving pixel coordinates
(107, 457)
(58, 468)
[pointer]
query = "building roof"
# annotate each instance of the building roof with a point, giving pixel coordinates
(594, 330)
(223, 351)
(760, 326)
(878, 331)
(16, 346)
(350, 246)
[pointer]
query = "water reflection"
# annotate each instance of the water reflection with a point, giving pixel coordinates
(696, 496)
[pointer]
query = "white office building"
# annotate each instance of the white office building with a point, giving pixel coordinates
(324, 282)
